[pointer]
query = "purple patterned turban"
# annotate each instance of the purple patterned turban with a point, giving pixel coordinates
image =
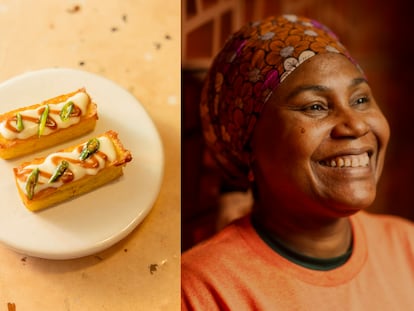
(252, 63)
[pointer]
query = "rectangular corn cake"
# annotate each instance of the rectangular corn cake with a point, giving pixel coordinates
(53, 121)
(44, 182)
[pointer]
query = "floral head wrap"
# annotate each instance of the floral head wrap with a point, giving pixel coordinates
(253, 62)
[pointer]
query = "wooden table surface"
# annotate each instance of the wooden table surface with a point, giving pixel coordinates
(136, 44)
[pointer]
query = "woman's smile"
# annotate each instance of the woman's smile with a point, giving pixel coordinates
(347, 161)
(345, 171)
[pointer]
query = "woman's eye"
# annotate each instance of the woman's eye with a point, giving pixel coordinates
(315, 107)
(361, 100)
(315, 110)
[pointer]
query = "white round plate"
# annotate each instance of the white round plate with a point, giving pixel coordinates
(96, 220)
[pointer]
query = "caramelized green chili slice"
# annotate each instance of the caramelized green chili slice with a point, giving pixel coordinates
(32, 182)
(66, 111)
(62, 167)
(19, 122)
(43, 119)
(90, 148)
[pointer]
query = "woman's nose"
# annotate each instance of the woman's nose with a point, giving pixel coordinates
(350, 123)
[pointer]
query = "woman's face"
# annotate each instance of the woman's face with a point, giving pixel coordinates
(321, 139)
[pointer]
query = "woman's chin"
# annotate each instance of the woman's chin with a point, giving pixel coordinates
(350, 206)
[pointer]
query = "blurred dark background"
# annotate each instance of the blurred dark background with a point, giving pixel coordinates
(379, 36)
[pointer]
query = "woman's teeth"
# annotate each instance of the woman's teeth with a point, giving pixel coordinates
(361, 160)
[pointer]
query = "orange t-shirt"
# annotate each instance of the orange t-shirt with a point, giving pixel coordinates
(236, 270)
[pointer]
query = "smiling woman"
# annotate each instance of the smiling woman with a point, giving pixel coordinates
(288, 113)
(337, 161)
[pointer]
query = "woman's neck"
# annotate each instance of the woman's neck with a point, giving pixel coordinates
(319, 238)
